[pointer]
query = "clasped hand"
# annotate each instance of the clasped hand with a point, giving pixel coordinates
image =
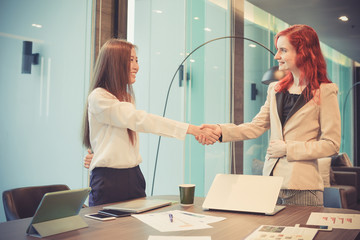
(210, 134)
(277, 148)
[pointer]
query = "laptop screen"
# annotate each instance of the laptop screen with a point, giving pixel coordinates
(247, 193)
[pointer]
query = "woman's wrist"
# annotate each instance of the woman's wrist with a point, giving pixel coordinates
(191, 129)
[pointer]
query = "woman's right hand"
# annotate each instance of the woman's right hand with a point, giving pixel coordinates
(88, 158)
(209, 127)
(207, 135)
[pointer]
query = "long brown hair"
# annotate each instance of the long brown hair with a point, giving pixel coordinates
(112, 72)
(309, 59)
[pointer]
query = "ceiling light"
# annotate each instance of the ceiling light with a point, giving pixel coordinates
(196, 18)
(252, 45)
(157, 11)
(207, 29)
(344, 18)
(36, 25)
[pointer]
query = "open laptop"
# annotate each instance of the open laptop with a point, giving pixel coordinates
(139, 205)
(58, 212)
(244, 193)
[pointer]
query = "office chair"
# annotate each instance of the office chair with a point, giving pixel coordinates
(332, 197)
(22, 202)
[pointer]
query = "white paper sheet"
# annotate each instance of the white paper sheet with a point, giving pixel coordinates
(335, 220)
(179, 238)
(181, 220)
(199, 217)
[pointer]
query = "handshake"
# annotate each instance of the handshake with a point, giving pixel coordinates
(205, 134)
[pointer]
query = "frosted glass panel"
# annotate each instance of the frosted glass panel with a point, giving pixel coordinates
(159, 35)
(208, 93)
(164, 32)
(41, 113)
(258, 61)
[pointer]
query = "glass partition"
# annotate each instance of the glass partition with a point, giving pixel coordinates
(165, 32)
(159, 33)
(341, 72)
(41, 112)
(208, 88)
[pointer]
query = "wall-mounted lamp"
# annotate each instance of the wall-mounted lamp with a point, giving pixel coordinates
(28, 58)
(254, 91)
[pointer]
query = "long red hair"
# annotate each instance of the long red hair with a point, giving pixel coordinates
(309, 59)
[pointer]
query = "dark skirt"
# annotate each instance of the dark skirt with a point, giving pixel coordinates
(110, 185)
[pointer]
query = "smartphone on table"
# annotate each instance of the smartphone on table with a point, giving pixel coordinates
(114, 213)
(100, 217)
(318, 227)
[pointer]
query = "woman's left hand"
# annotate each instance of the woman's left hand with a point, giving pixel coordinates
(277, 148)
(88, 158)
(208, 135)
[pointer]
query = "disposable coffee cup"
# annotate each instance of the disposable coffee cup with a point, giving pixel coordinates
(187, 192)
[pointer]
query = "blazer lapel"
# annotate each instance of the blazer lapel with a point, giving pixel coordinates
(280, 104)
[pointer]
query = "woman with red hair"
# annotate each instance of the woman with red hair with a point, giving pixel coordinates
(302, 113)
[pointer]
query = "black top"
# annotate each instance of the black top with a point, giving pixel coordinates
(289, 102)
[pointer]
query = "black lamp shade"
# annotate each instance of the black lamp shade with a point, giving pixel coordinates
(272, 75)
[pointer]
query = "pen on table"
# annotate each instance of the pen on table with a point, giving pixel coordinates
(194, 215)
(171, 217)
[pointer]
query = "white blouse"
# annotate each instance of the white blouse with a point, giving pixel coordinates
(109, 120)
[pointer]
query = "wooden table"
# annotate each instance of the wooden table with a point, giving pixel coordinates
(235, 226)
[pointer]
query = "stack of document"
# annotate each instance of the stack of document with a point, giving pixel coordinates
(335, 220)
(177, 220)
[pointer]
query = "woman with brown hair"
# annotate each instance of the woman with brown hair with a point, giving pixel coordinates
(111, 124)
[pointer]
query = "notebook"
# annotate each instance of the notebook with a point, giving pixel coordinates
(58, 212)
(244, 193)
(139, 205)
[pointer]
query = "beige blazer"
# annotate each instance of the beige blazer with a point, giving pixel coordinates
(311, 131)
